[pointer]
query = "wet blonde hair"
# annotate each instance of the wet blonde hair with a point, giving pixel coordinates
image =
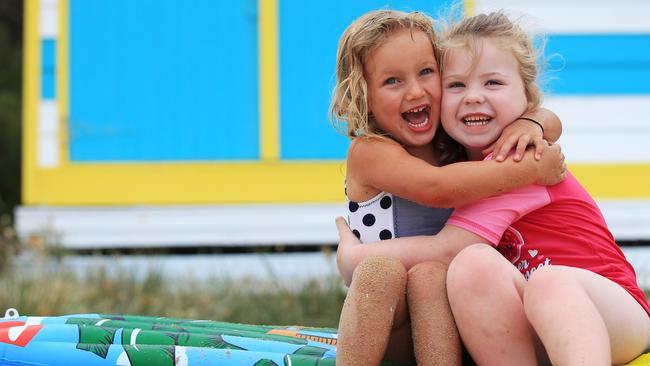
(509, 35)
(366, 34)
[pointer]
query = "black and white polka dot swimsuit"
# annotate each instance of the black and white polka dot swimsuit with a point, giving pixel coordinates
(386, 216)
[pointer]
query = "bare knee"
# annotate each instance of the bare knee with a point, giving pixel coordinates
(428, 272)
(463, 269)
(384, 279)
(427, 280)
(380, 272)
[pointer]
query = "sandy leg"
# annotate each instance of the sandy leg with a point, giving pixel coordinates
(435, 336)
(369, 311)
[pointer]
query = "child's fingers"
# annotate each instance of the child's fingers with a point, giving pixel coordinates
(559, 148)
(501, 148)
(343, 229)
(540, 144)
(506, 146)
(340, 222)
(488, 150)
(522, 143)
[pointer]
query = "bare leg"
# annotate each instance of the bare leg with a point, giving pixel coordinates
(435, 337)
(400, 344)
(583, 318)
(378, 285)
(485, 293)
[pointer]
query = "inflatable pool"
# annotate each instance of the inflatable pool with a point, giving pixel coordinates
(104, 339)
(123, 340)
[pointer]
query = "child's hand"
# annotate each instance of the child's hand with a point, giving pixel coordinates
(552, 167)
(345, 258)
(520, 133)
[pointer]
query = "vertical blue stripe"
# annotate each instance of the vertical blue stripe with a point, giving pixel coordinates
(48, 69)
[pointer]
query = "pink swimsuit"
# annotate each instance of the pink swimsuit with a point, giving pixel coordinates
(536, 226)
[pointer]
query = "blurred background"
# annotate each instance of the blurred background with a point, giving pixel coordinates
(177, 158)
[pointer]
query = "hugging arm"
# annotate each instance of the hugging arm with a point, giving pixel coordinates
(549, 120)
(442, 247)
(387, 166)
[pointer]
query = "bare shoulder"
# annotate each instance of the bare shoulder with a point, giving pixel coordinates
(364, 150)
(364, 160)
(376, 165)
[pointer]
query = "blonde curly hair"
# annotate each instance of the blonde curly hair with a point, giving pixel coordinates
(349, 103)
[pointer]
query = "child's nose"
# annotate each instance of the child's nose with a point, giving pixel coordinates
(415, 91)
(474, 96)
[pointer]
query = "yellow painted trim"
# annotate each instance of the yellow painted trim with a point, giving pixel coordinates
(642, 360)
(124, 184)
(614, 180)
(268, 80)
(469, 8)
(31, 92)
(281, 182)
(62, 79)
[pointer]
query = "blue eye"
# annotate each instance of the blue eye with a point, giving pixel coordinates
(427, 71)
(455, 84)
(390, 81)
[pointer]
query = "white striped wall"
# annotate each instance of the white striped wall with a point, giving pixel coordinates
(577, 16)
(603, 129)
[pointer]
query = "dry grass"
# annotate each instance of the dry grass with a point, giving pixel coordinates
(48, 288)
(57, 291)
(317, 303)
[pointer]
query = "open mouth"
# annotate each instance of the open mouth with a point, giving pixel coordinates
(417, 117)
(476, 120)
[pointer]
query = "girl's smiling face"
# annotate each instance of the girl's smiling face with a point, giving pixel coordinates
(404, 87)
(483, 93)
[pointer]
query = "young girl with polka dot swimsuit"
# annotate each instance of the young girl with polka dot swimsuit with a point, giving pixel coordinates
(552, 286)
(388, 93)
